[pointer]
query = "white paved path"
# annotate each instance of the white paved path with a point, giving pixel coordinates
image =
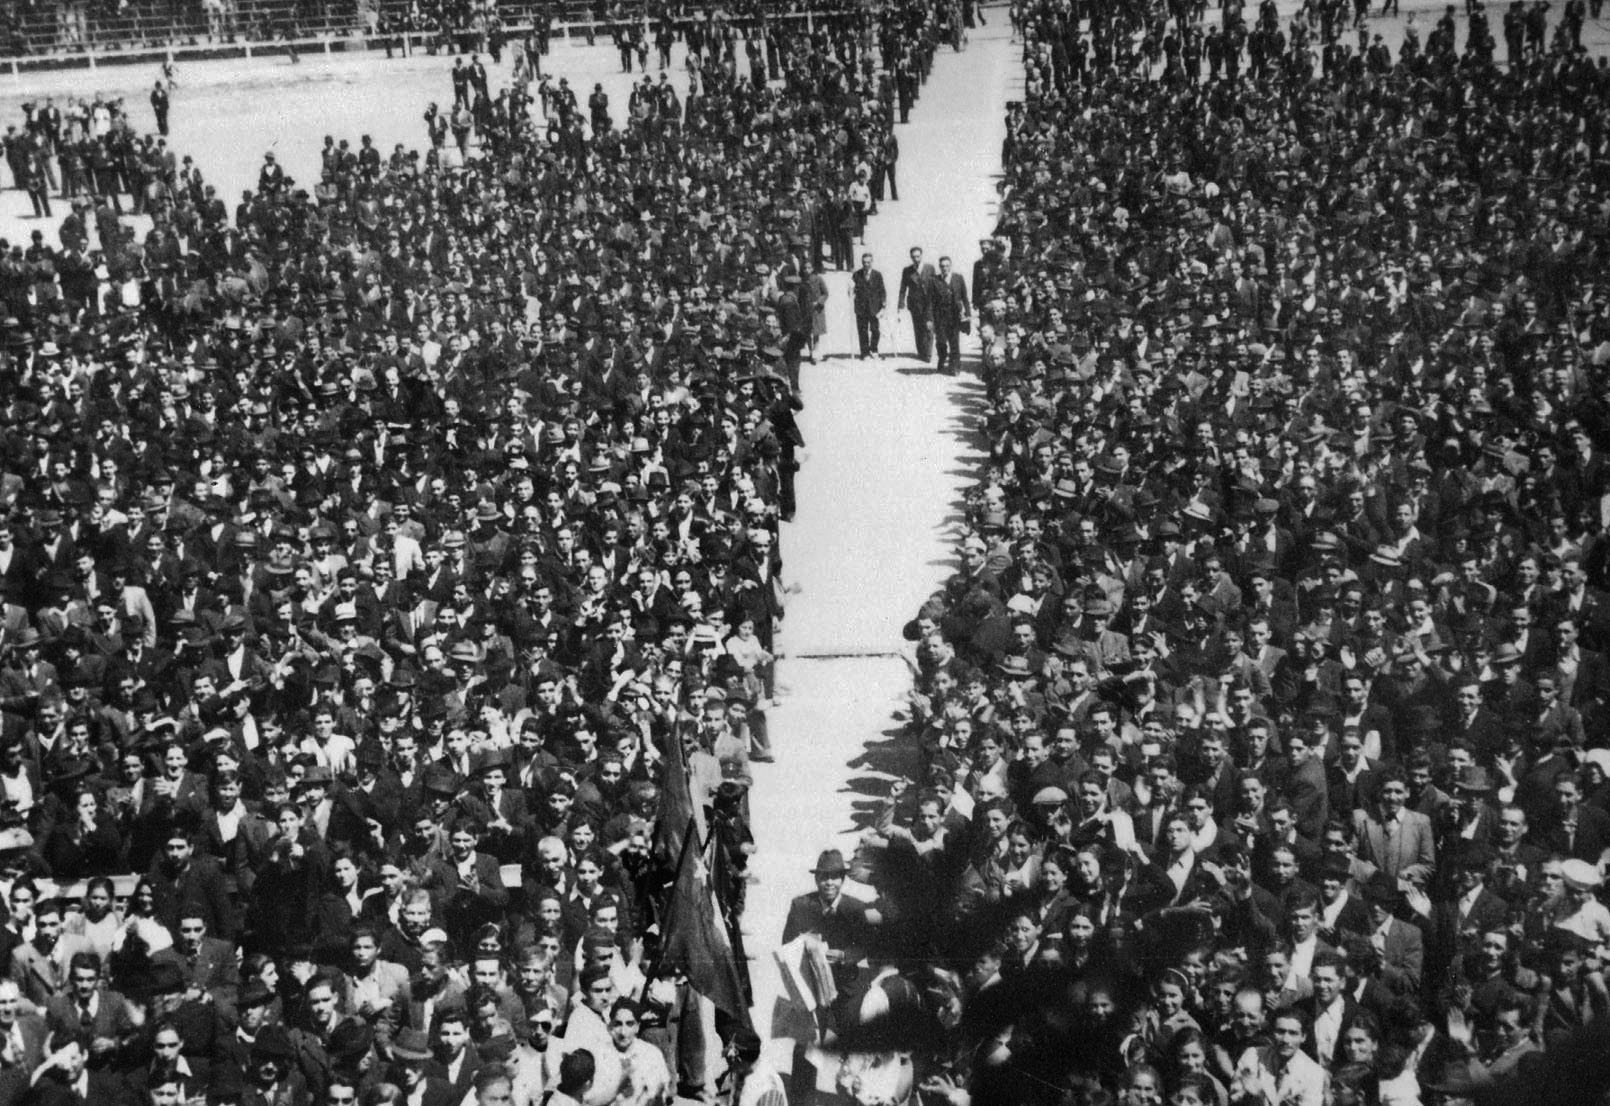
(887, 457)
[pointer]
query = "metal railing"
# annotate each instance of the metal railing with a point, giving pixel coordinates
(94, 33)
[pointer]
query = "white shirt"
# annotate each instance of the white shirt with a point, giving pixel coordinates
(229, 823)
(1378, 938)
(1328, 913)
(1179, 871)
(456, 1065)
(1300, 1083)
(645, 1079)
(18, 790)
(1302, 959)
(1327, 1030)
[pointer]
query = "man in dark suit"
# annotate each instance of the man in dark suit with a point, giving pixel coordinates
(1305, 786)
(1341, 912)
(1476, 724)
(467, 885)
(457, 1059)
(22, 1036)
(412, 1057)
(1398, 945)
(1473, 911)
(1575, 829)
(1584, 674)
(916, 292)
(1329, 1010)
(870, 299)
(101, 1014)
(841, 922)
(950, 310)
(180, 878)
(67, 1081)
(207, 964)
(1587, 607)
(273, 1077)
(1350, 778)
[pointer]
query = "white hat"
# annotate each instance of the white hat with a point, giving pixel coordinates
(1581, 875)
(1601, 757)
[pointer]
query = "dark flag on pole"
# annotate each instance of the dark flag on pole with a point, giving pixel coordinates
(676, 811)
(695, 941)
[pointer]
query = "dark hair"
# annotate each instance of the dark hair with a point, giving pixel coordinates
(166, 1023)
(490, 1074)
(1290, 1013)
(576, 1072)
(68, 1034)
(1329, 958)
(1305, 899)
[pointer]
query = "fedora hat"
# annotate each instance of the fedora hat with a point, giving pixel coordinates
(440, 779)
(830, 863)
(489, 760)
(25, 637)
(1506, 654)
(1015, 666)
(274, 1043)
(411, 1044)
(1381, 890)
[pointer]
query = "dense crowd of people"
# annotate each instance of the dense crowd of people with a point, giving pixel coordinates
(79, 27)
(1258, 750)
(379, 556)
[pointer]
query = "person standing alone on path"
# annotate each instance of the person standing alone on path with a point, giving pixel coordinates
(159, 105)
(951, 315)
(37, 185)
(870, 300)
(916, 290)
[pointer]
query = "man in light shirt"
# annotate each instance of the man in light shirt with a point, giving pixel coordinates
(645, 1079)
(1279, 1074)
